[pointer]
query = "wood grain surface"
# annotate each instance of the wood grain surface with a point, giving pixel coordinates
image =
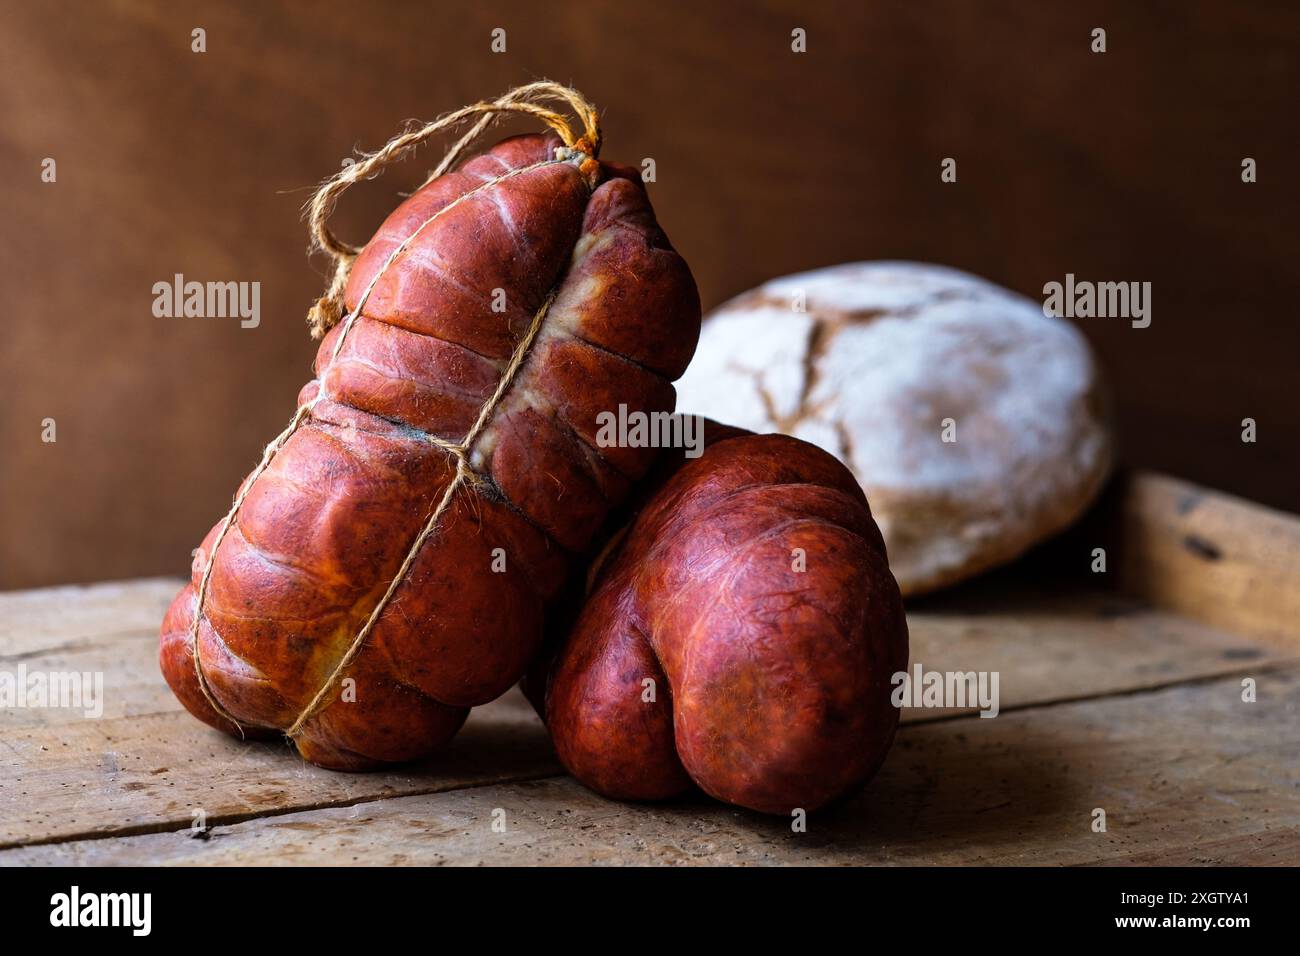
(1187, 774)
(1213, 557)
(1108, 699)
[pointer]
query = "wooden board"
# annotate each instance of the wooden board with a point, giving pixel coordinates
(1211, 556)
(1169, 767)
(1130, 701)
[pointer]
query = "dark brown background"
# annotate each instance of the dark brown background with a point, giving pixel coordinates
(1122, 166)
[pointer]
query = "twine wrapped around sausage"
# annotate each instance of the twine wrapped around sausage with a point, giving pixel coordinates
(426, 398)
(524, 99)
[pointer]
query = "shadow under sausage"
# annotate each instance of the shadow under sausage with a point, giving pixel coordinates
(953, 791)
(502, 741)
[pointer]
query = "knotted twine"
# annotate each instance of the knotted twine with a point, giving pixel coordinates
(329, 310)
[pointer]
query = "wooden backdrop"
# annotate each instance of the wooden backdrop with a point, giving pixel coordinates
(1116, 166)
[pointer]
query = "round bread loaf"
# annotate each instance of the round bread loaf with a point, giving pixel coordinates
(976, 424)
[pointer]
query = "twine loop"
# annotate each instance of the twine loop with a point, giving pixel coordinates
(329, 309)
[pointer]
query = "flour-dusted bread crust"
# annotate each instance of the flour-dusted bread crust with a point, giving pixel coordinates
(882, 354)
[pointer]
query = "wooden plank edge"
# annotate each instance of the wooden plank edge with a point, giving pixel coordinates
(231, 819)
(1010, 780)
(924, 720)
(1208, 555)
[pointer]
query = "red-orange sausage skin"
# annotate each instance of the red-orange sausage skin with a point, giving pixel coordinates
(771, 684)
(325, 528)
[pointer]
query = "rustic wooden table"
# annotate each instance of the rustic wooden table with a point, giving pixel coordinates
(1127, 698)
